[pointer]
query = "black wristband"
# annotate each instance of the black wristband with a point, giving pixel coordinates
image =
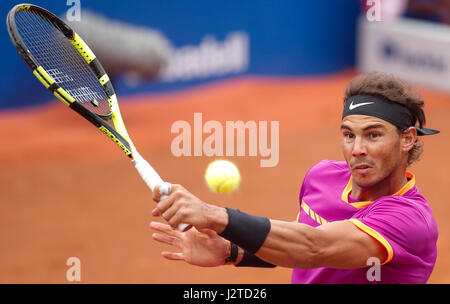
(251, 260)
(247, 231)
(233, 254)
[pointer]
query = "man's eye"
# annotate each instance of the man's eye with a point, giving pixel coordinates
(374, 135)
(349, 135)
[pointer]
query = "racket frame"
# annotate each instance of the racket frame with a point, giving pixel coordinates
(119, 135)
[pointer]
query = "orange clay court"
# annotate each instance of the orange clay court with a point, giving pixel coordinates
(66, 191)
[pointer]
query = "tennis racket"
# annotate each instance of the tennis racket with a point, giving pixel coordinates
(65, 65)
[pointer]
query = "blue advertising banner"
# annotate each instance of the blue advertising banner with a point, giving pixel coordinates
(178, 44)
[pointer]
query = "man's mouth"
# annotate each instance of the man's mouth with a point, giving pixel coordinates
(362, 168)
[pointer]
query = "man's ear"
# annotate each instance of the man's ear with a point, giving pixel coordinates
(408, 139)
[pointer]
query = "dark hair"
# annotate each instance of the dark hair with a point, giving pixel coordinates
(396, 90)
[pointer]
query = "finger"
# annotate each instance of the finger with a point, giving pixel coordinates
(165, 239)
(166, 216)
(155, 212)
(166, 203)
(156, 195)
(169, 213)
(178, 256)
(161, 227)
(176, 219)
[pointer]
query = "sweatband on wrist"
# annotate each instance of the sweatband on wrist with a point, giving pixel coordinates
(251, 260)
(247, 231)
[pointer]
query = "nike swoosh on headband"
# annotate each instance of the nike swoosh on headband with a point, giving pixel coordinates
(352, 106)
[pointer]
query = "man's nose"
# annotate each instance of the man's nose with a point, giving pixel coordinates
(359, 147)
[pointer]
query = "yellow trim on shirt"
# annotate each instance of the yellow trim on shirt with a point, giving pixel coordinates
(408, 186)
(317, 218)
(376, 236)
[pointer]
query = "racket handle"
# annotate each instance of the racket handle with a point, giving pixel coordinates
(152, 179)
(184, 227)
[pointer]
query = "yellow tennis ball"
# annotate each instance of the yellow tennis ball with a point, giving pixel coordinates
(222, 176)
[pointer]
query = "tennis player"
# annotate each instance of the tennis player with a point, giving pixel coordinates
(353, 213)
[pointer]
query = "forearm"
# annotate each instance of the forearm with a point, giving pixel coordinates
(291, 245)
(295, 245)
(280, 243)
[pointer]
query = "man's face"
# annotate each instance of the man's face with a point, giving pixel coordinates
(371, 148)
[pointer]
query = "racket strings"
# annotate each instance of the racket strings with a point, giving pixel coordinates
(62, 61)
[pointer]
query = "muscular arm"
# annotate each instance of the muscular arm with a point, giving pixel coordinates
(338, 245)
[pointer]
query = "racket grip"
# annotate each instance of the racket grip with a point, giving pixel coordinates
(152, 179)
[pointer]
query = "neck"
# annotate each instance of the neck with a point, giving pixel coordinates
(387, 186)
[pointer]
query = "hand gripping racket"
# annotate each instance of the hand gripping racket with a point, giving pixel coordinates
(66, 66)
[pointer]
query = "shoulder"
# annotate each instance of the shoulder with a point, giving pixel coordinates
(410, 215)
(411, 205)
